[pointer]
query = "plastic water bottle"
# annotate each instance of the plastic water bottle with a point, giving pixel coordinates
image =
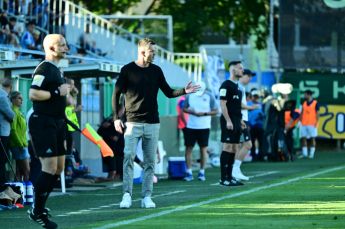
(24, 192)
(29, 198)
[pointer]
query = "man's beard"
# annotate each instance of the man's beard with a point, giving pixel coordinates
(237, 76)
(150, 60)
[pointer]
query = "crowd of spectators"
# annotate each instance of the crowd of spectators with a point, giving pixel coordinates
(23, 24)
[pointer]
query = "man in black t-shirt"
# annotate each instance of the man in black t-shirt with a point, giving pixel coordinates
(47, 124)
(231, 122)
(140, 81)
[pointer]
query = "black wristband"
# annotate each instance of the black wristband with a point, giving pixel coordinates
(54, 93)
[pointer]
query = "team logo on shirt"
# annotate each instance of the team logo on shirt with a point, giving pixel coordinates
(222, 92)
(38, 80)
(235, 97)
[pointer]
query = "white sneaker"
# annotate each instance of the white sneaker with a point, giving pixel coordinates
(237, 174)
(126, 201)
(147, 203)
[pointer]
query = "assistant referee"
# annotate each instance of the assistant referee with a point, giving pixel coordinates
(47, 124)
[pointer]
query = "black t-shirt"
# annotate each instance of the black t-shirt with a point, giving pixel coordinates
(140, 86)
(231, 92)
(48, 77)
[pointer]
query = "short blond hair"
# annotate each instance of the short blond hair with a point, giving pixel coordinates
(145, 42)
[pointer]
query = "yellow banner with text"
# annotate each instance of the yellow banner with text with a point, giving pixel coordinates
(332, 121)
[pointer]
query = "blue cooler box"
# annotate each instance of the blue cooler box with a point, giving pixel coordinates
(138, 174)
(176, 167)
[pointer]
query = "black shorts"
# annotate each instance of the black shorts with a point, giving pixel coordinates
(245, 136)
(48, 135)
(191, 136)
(231, 136)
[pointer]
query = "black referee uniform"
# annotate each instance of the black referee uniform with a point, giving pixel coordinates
(232, 94)
(47, 123)
(47, 127)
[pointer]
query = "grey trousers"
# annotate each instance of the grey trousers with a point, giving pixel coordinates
(149, 134)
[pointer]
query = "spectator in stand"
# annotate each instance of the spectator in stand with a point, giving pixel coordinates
(41, 12)
(4, 27)
(86, 41)
(25, 7)
(37, 38)
(15, 32)
(6, 117)
(81, 52)
(18, 142)
(13, 6)
(28, 40)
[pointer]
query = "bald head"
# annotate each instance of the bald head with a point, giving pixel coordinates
(55, 46)
(51, 40)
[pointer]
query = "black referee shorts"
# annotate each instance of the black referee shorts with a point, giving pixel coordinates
(231, 136)
(191, 136)
(48, 135)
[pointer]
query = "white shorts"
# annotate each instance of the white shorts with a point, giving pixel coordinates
(308, 132)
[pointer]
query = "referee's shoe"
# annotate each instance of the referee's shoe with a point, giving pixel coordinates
(42, 219)
(231, 182)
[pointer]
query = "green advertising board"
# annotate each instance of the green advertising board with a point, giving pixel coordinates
(327, 88)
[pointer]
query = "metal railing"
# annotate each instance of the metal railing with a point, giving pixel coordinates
(77, 16)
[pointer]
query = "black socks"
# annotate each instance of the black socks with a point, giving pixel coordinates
(230, 163)
(226, 161)
(43, 186)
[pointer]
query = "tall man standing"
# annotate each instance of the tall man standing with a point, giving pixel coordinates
(6, 117)
(309, 121)
(47, 124)
(140, 81)
(231, 122)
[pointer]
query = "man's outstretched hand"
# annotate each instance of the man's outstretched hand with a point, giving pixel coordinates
(190, 88)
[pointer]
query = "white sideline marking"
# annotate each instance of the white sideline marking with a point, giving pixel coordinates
(116, 204)
(263, 174)
(257, 175)
(182, 208)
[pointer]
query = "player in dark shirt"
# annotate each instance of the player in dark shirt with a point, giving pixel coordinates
(47, 124)
(140, 81)
(231, 122)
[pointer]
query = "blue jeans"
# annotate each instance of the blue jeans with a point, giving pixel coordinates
(149, 134)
